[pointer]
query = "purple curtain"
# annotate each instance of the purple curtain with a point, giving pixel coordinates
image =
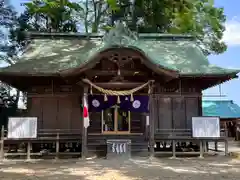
(96, 103)
(140, 103)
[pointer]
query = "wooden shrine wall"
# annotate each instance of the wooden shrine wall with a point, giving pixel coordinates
(60, 110)
(174, 112)
(56, 112)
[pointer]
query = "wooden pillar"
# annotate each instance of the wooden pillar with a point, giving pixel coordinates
(2, 143)
(226, 140)
(147, 122)
(84, 129)
(29, 150)
(201, 149)
(57, 146)
(226, 147)
(151, 124)
(226, 130)
(216, 145)
(200, 105)
(238, 129)
(173, 149)
(205, 146)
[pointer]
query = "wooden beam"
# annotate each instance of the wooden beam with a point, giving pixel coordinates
(110, 85)
(115, 72)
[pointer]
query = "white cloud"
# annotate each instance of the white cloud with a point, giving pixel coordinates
(232, 33)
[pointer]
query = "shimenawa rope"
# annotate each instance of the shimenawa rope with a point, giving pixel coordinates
(118, 93)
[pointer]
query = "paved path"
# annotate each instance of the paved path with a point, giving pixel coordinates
(210, 168)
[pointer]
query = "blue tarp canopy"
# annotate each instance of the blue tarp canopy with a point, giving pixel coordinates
(221, 108)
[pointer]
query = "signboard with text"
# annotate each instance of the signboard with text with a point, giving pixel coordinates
(206, 127)
(22, 127)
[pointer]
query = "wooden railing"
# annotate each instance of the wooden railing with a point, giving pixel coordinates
(176, 136)
(54, 137)
(182, 134)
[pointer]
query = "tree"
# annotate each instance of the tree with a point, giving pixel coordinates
(53, 15)
(196, 17)
(40, 15)
(94, 16)
(7, 20)
(8, 17)
(44, 16)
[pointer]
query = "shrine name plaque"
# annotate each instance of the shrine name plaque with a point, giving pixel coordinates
(118, 148)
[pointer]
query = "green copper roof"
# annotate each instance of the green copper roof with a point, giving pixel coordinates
(53, 55)
(223, 109)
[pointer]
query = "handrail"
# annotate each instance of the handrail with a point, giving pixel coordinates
(182, 134)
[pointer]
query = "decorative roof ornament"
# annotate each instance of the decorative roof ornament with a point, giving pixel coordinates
(120, 35)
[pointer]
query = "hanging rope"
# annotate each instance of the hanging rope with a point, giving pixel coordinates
(117, 93)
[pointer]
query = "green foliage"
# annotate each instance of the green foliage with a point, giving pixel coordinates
(113, 5)
(196, 17)
(53, 15)
(8, 18)
(44, 16)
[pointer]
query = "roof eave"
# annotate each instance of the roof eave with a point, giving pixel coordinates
(40, 74)
(230, 74)
(43, 35)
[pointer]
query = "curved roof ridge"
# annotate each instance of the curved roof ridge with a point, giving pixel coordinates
(156, 36)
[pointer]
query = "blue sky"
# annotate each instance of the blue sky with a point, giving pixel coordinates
(229, 59)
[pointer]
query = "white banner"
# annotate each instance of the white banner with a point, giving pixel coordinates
(85, 112)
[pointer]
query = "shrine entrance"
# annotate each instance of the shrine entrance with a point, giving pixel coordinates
(118, 86)
(116, 121)
(118, 115)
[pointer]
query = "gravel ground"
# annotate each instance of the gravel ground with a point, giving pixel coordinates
(210, 168)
